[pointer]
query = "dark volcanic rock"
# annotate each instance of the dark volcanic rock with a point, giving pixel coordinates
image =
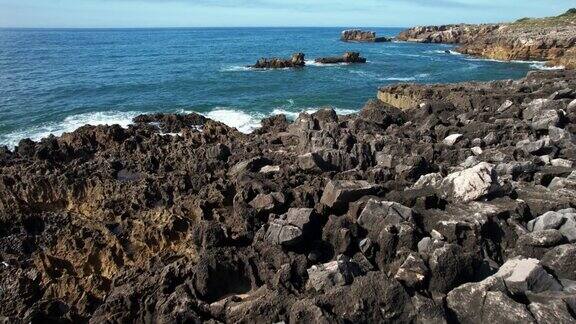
(438, 203)
(297, 60)
(348, 57)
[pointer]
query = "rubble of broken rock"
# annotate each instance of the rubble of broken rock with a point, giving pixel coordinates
(381, 216)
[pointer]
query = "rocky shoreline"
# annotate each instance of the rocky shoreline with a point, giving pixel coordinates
(436, 203)
(550, 39)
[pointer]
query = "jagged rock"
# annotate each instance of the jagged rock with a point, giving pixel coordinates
(339, 193)
(297, 60)
(431, 180)
(452, 139)
(348, 57)
(522, 275)
(471, 184)
(412, 272)
(500, 308)
(290, 228)
(376, 215)
(535, 244)
(267, 202)
(563, 163)
(450, 266)
(554, 311)
(560, 260)
(356, 35)
(550, 220)
(335, 273)
(564, 222)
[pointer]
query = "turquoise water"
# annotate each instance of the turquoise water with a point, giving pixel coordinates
(53, 81)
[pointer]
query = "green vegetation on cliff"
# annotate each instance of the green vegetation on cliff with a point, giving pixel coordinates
(566, 19)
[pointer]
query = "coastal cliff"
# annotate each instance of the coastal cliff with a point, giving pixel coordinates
(457, 207)
(550, 39)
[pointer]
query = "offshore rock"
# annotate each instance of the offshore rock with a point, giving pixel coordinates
(297, 60)
(357, 35)
(348, 57)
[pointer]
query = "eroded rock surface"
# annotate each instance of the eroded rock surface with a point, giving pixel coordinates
(371, 217)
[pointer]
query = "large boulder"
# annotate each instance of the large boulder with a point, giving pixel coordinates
(522, 275)
(564, 221)
(471, 184)
(561, 260)
(376, 215)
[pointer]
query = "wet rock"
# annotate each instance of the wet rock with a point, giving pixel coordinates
(471, 184)
(348, 57)
(297, 60)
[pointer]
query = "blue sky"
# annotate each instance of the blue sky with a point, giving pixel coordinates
(229, 13)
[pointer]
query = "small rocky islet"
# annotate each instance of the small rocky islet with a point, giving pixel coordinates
(451, 203)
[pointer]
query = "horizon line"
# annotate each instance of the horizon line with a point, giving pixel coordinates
(198, 27)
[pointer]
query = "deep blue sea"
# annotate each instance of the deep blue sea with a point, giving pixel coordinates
(52, 81)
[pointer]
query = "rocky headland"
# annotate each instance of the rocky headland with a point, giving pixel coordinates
(550, 39)
(435, 204)
(357, 35)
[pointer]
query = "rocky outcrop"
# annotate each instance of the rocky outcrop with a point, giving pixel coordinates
(348, 57)
(548, 39)
(377, 217)
(297, 60)
(357, 35)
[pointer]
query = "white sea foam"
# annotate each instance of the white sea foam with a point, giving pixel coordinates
(405, 79)
(236, 68)
(543, 66)
(314, 63)
(443, 52)
(244, 122)
(293, 114)
(69, 124)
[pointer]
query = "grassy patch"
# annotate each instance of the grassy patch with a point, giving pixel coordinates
(566, 19)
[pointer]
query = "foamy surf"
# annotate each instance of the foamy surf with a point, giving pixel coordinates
(314, 63)
(69, 124)
(242, 121)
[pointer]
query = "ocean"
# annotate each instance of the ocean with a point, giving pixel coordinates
(56, 80)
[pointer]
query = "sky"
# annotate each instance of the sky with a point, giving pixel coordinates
(267, 13)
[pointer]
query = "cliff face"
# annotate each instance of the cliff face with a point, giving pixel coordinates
(548, 39)
(427, 214)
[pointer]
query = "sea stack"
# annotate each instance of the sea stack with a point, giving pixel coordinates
(297, 60)
(348, 57)
(357, 35)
